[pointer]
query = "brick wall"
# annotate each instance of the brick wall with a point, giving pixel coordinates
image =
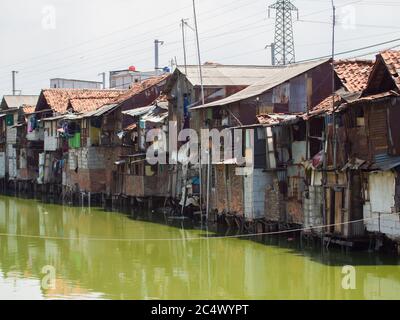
(228, 192)
(274, 202)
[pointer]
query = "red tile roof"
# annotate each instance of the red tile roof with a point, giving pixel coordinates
(59, 99)
(392, 61)
(325, 106)
(354, 74)
(139, 87)
(27, 109)
(88, 104)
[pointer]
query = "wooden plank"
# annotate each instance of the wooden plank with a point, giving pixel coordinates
(338, 211)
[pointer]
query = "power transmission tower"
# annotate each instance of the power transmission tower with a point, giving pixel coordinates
(284, 52)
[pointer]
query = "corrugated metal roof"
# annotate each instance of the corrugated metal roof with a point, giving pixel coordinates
(385, 162)
(101, 111)
(12, 102)
(138, 111)
(275, 78)
(156, 115)
(274, 119)
(227, 75)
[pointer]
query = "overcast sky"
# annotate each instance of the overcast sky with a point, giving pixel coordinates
(44, 39)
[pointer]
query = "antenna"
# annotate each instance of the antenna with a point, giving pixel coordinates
(284, 40)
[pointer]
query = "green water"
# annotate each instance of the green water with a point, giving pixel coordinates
(93, 259)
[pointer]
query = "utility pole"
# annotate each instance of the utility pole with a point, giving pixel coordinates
(284, 52)
(203, 102)
(13, 82)
(183, 24)
(157, 43)
(103, 74)
(333, 82)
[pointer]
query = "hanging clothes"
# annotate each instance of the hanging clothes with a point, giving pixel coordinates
(75, 141)
(10, 120)
(33, 124)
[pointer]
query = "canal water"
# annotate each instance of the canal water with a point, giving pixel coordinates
(57, 252)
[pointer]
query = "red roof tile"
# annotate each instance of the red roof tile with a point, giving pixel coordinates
(27, 109)
(392, 61)
(89, 99)
(325, 106)
(88, 104)
(354, 74)
(139, 87)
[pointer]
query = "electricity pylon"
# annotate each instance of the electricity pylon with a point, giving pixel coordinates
(284, 52)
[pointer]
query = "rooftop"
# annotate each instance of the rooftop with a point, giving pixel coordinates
(354, 74)
(276, 76)
(392, 61)
(139, 87)
(226, 75)
(83, 99)
(12, 102)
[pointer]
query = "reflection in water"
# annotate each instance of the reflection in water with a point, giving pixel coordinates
(169, 269)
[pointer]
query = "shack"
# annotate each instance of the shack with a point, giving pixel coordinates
(276, 170)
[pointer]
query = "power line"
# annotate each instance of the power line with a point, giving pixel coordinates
(353, 50)
(130, 27)
(206, 237)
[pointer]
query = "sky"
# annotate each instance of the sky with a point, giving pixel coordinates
(78, 39)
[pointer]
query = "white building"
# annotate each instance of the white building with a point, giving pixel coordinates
(123, 79)
(59, 83)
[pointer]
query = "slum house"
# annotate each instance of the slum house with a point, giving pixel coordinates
(142, 94)
(184, 91)
(138, 100)
(136, 179)
(276, 178)
(46, 134)
(330, 199)
(11, 123)
(370, 160)
(93, 144)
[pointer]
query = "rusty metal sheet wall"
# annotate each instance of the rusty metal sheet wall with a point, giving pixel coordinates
(394, 129)
(298, 94)
(378, 133)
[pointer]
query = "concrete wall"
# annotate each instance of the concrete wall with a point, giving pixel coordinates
(86, 158)
(313, 208)
(11, 135)
(11, 161)
(254, 194)
(51, 136)
(378, 211)
(91, 168)
(386, 223)
(2, 164)
(382, 191)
